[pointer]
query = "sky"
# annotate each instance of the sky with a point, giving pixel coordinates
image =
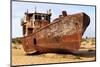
(19, 8)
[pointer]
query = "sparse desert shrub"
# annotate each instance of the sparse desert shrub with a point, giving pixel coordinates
(83, 40)
(77, 57)
(93, 43)
(15, 47)
(83, 43)
(63, 56)
(16, 40)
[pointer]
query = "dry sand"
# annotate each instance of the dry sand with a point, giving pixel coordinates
(86, 53)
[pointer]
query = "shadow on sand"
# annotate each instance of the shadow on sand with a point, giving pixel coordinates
(86, 53)
(81, 53)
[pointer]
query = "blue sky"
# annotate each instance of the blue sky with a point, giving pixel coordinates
(19, 8)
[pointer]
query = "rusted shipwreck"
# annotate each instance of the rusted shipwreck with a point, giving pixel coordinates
(63, 34)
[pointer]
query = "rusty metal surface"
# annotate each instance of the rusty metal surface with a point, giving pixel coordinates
(62, 35)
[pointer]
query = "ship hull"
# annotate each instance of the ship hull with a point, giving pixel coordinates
(63, 46)
(62, 36)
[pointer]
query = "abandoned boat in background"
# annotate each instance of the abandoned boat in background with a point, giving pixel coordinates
(62, 35)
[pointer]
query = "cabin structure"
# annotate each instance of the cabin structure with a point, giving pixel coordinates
(33, 21)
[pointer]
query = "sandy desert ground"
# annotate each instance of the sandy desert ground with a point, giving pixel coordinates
(85, 53)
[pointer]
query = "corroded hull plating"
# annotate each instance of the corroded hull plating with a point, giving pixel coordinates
(62, 35)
